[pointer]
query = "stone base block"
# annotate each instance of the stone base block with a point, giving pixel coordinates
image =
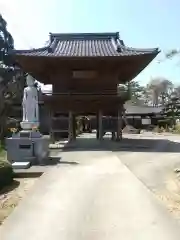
(21, 165)
(33, 149)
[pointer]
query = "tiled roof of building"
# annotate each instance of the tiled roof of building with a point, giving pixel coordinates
(130, 109)
(86, 45)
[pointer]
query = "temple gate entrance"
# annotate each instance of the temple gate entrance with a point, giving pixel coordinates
(85, 70)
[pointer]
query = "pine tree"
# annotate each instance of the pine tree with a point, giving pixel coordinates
(6, 42)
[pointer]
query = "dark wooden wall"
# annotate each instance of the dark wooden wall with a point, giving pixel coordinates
(103, 82)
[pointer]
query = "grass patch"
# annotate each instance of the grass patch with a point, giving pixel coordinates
(176, 129)
(6, 171)
(1, 150)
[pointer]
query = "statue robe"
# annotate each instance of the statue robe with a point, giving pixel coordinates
(30, 105)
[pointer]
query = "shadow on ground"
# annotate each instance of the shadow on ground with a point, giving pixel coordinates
(9, 188)
(57, 160)
(69, 163)
(51, 161)
(126, 144)
(27, 174)
(36, 171)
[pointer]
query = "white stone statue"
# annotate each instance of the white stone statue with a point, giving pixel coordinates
(30, 104)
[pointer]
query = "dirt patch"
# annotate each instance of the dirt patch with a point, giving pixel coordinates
(170, 195)
(12, 195)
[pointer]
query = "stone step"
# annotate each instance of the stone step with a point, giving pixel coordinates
(21, 165)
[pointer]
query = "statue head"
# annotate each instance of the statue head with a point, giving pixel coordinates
(30, 81)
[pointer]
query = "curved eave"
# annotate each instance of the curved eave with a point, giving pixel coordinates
(139, 65)
(19, 56)
(26, 51)
(132, 65)
(107, 50)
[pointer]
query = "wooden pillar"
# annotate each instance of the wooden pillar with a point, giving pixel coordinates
(100, 125)
(119, 125)
(113, 135)
(71, 129)
(74, 126)
(51, 132)
(97, 126)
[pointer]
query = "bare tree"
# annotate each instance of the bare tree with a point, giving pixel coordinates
(161, 89)
(177, 91)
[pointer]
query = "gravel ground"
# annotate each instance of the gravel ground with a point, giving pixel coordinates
(156, 169)
(12, 195)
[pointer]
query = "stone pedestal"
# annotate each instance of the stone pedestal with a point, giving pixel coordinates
(28, 146)
(29, 125)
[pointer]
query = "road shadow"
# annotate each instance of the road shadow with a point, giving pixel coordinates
(126, 144)
(58, 160)
(51, 161)
(69, 163)
(9, 188)
(36, 171)
(26, 173)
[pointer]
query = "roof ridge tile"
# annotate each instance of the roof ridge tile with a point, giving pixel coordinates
(84, 36)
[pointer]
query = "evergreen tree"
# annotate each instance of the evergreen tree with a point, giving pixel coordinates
(6, 43)
(11, 77)
(172, 109)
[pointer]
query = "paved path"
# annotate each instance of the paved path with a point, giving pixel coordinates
(97, 198)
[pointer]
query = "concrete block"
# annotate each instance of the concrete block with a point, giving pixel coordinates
(21, 165)
(21, 148)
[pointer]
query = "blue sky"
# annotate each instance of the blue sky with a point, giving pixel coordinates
(141, 23)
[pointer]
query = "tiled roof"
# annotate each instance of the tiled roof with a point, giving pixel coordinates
(86, 45)
(134, 109)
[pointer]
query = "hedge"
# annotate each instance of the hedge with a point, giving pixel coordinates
(6, 173)
(164, 123)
